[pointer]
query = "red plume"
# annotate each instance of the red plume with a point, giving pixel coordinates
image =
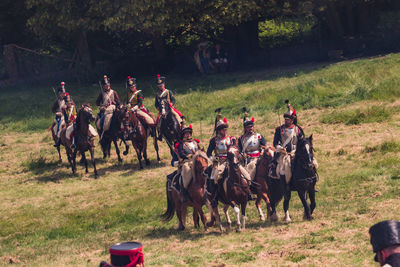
(158, 75)
(129, 77)
(190, 126)
(252, 119)
(66, 94)
(225, 120)
(294, 112)
(62, 83)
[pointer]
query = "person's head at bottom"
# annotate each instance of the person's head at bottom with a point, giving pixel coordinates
(385, 241)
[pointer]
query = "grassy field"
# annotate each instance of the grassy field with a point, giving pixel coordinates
(48, 217)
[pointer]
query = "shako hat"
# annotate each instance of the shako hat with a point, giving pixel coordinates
(185, 128)
(219, 122)
(160, 79)
(61, 88)
(126, 254)
(106, 80)
(246, 120)
(291, 113)
(130, 81)
(384, 234)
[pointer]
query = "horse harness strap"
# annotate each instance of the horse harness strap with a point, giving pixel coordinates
(133, 95)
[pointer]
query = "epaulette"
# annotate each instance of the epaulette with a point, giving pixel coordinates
(197, 140)
(176, 145)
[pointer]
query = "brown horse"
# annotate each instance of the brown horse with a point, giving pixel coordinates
(232, 191)
(83, 139)
(137, 133)
(196, 190)
(263, 169)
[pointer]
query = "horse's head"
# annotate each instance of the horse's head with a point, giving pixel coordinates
(86, 113)
(165, 107)
(269, 153)
(233, 155)
(201, 163)
(305, 152)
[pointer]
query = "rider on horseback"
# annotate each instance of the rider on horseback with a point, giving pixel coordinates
(164, 94)
(250, 144)
(58, 109)
(187, 147)
(285, 141)
(107, 101)
(135, 103)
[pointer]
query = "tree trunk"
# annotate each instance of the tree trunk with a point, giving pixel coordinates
(350, 19)
(334, 22)
(159, 47)
(11, 62)
(83, 49)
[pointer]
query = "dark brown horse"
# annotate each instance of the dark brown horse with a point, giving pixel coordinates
(137, 133)
(232, 191)
(196, 190)
(83, 139)
(263, 169)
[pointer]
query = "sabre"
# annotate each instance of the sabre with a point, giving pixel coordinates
(54, 91)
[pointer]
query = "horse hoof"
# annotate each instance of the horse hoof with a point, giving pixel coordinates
(238, 229)
(181, 228)
(308, 218)
(148, 162)
(288, 220)
(262, 218)
(96, 176)
(274, 217)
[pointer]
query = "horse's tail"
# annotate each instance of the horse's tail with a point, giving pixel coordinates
(169, 214)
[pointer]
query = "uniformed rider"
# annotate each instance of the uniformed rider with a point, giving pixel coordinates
(285, 141)
(58, 109)
(107, 101)
(165, 94)
(187, 147)
(135, 103)
(251, 144)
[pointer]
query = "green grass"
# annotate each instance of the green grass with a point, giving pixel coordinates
(323, 85)
(358, 116)
(50, 217)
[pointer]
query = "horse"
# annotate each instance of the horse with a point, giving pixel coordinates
(196, 190)
(304, 178)
(232, 191)
(137, 133)
(263, 168)
(83, 139)
(111, 135)
(170, 126)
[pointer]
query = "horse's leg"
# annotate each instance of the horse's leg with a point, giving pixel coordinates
(145, 152)
(59, 154)
(302, 196)
(156, 144)
(126, 147)
(286, 201)
(93, 162)
(73, 160)
(212, 214)
(237, 214)
(243, 218)
(258, 206)
(311, 194)
(228, 219)
(196, 219)
(117, 149)
(138, 154)
(84, 161)
(184, 214)
(178, 210)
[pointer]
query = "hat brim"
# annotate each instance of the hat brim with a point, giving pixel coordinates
(222, 126)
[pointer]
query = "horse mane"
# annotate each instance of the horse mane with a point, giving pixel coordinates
(199, 153)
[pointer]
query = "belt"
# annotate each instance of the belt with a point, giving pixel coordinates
(253, 155)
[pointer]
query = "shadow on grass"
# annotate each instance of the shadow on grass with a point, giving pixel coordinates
(129, 168)
(56, 177)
